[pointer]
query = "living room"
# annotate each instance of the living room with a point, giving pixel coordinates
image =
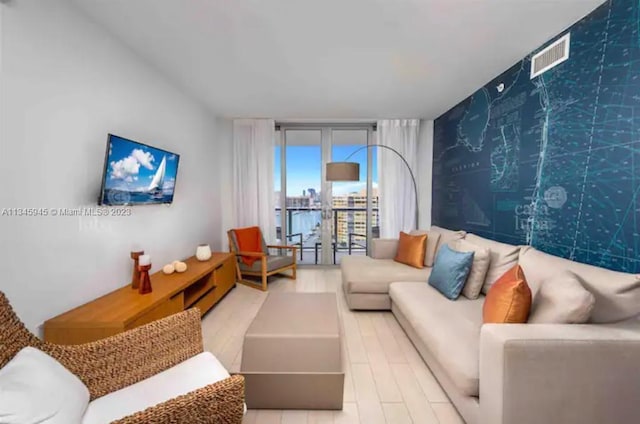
(503, 127)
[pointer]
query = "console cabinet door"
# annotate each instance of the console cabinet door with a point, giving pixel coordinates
(225, 276)
(169, 307)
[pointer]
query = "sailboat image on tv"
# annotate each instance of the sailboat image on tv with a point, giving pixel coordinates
(157, 184)
(137, 174)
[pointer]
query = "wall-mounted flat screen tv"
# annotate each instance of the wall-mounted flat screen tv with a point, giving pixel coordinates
(137, 174)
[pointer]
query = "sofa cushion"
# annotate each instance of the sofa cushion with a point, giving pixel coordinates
(384, 248)
(450, 330)
(503, 257)
(479, 268)
(450, 271)
(436, 237)
(192, 374)
(508, 300)
(617, 294)
(562, 300)
(433, 238)
(411, 249)
(35, 388)
(361, 274)
(273, 263)
(446, 236)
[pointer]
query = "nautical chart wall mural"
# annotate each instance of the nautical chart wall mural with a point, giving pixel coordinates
(554, 161)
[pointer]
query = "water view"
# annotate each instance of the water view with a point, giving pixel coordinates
(305, 222)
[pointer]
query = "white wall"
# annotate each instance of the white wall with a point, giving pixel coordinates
(65, 84)
(425, 171)
(224, 150)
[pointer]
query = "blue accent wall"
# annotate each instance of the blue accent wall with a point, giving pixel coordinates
(554, 161)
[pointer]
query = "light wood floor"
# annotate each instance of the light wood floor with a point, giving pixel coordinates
(386, 380)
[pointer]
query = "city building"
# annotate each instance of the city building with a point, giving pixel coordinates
(350, 216)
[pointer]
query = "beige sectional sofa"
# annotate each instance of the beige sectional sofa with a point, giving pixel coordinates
(514, 373)
(366, 279)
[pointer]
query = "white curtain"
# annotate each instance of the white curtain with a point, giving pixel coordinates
(253, 193)
(396, 190)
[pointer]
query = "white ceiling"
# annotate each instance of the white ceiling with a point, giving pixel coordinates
(333, 59)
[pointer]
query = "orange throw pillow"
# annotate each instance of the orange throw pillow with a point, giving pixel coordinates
(508, 299)
(411, 250)
(249, 240)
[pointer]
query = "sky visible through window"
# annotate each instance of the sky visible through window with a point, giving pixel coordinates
(304, 167)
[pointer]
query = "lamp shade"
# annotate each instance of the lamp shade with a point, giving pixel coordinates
(343, 171)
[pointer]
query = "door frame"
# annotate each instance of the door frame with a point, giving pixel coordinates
(326, 130)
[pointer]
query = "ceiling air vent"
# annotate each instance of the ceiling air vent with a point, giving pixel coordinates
(552, 55)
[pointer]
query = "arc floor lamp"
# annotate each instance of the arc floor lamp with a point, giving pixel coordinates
(350, 171)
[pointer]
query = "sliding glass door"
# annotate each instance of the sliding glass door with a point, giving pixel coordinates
(326, 220)
(355, 203)
(298, 191)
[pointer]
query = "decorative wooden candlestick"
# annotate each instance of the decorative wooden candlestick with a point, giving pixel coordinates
(135, 277)
(145, 281)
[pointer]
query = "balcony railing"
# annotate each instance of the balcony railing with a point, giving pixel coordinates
(348, 228)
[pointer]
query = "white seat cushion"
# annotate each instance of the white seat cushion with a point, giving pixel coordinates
(190, 375)
(35, 388)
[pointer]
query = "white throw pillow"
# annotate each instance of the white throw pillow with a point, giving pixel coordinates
(562, 300)
(446, 236)
(35, 388)
(503, 257)
(432, 243)
(479, 267)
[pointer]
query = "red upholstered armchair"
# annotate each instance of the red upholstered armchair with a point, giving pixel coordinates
(254, 258)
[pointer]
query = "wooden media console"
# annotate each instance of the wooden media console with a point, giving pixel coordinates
(202, 285)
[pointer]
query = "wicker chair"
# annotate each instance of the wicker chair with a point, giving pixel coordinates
(111, 364)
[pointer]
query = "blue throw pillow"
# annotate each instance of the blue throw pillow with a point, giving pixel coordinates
(450, 271)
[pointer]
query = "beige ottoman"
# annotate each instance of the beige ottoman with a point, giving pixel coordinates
(292, 357)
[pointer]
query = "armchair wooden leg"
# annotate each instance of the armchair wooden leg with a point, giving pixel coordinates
(238, 273)
(264, 274)
(293, 273)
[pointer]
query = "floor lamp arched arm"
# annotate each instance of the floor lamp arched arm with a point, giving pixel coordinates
(413, 178)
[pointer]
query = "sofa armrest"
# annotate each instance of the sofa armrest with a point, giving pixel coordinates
(118, 361)
(221, 402)
(384, 248)
(554, 373)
